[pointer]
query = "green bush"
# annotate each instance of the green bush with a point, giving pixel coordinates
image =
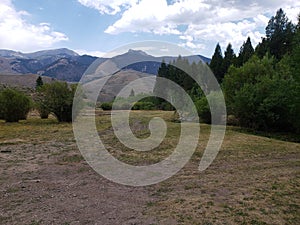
(43, 110)
(57, 98)
(40, 104)
(106, 105)
(268, 105)
(143, 106)
(14, 105)
(203, 108)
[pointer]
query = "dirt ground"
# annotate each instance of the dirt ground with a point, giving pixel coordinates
(45, 180)
(43, 189)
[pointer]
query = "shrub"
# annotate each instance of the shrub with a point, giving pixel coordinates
(14, 105)
(43, 110)
(58, 97)
(203, 108)
(40, 104)
(143, 106)
(268, 105)
(106, 105)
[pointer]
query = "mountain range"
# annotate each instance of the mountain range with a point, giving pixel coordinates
(67, 65)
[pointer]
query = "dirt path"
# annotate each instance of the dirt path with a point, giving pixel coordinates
(39, 185)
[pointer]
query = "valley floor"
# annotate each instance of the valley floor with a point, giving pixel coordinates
(45, 180)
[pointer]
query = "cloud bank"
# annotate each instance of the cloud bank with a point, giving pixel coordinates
(194, 21)
(16, 33)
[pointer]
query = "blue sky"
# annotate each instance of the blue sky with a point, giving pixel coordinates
(99, 26)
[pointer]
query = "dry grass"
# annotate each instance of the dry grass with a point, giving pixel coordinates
(253, 180)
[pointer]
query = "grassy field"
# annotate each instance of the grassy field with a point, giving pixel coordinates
(45, 180)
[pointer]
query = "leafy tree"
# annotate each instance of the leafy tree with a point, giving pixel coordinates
(266, 105)
(246, 52)
(58, 98)
(39, 82)
(250, 72)
(14, 105)
(216, 63)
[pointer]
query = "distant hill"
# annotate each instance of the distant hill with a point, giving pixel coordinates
(27, 81)
(116, 82)
(62, 64)
(145, 63)
(65, 64)
(62, 52)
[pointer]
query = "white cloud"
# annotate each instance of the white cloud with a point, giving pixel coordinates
(147, 16)
(229, 32)
(110, 7)
(195, 21)
(17, 34)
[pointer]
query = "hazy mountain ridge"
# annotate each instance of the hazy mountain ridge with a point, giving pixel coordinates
(65, 64)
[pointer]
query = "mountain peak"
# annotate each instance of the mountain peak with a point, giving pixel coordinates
(139, 52)
(53, 52)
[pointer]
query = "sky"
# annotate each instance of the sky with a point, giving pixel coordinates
(98, 26)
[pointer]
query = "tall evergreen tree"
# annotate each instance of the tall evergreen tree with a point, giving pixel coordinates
(262, 48)
(39, 82)
(229, 59)
(159, 89)
(246, 52)
(217, 63)
(279, 33)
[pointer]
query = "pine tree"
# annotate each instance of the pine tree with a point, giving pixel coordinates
(246, 52)
(229, 59)
(217, 62)
(279, 33)
(39, 82)
(132, 94)
(159, 88)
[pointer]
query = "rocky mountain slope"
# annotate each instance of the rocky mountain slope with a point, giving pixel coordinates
(65, 64)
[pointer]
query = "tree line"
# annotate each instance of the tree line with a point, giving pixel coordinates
(261, 85)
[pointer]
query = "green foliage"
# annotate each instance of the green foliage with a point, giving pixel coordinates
(106, 105)
(143, 106)
(14, 105)
(251, 72)
(203, 105)
(280, 33)
(39, 82)
(229, 59)
(267, 105)
(246, 52)
(279, 36)
(263, 95)
(203, 110)
(42, 108)
(216, 63)
(58, 97)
